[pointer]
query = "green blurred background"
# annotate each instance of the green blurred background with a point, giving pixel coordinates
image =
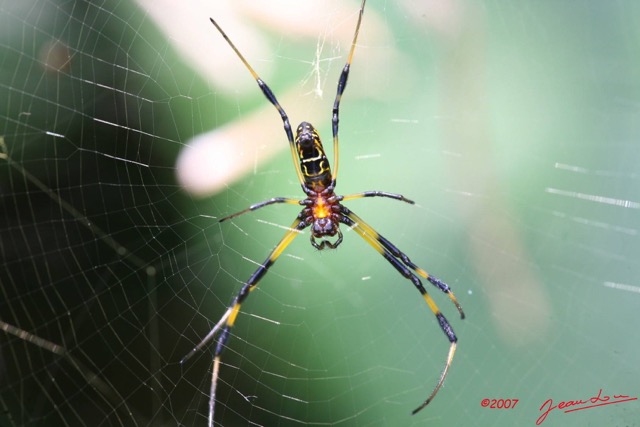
(513, 125)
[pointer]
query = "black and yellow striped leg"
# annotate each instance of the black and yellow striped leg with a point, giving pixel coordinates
(377, 194)
(342, 83)
(272, 99)
(405, 259)
(376, 241)
(271, 201)
(228, 319)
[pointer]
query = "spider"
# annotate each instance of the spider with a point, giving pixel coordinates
(323, 212)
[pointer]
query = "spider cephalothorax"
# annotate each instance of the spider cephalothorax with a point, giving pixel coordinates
(322, 213)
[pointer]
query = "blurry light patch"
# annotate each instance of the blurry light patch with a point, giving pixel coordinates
(54, 56)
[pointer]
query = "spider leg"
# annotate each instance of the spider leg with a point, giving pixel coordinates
(375, 240)
(342, 83)
(272, 99)
(228, 319)
(405, 259)
(261, 205)
(377, 194)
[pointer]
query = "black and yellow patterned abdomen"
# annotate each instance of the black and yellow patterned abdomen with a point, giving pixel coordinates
(313, 161)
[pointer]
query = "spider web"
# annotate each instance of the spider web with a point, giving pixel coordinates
(127, 129)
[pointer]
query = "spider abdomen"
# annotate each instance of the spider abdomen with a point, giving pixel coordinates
(313, 161)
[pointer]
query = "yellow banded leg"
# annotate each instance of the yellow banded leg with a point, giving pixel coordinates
(374, 239)
(405, 259)
(228, 319)
(212, 391)
(257, 206)
(447, 365)
(342, 83)
(271, 97)
(377, 194)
